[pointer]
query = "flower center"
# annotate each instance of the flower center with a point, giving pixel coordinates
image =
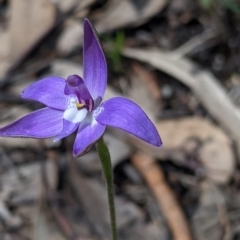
(75, 111)
(79, 102)
(79, 105)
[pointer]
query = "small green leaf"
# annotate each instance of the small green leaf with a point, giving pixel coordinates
(207, 4)
(233, 6)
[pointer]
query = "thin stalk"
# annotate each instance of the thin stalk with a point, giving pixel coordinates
(105, 159)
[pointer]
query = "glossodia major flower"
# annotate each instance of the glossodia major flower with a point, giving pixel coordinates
(75, 104)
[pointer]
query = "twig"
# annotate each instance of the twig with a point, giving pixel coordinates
(165, 197)
(194, 43)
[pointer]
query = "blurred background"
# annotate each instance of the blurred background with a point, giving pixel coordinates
(180, 61)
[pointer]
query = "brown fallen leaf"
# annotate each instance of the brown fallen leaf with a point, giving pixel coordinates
(118, 14)
(215, 150)
(4, 51)
(63, 68)
(71, 37)
(144, 90)
(65, 6)
(30, 20)
(148, 79)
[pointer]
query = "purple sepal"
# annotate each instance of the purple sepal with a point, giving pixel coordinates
(94, 62)
(49, 91)
(87, 135)
(43, 123)
(124, 114)
(68, 128)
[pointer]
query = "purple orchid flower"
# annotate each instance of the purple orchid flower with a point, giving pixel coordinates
(75, 105)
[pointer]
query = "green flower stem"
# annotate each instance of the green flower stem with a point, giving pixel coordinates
(105, 158)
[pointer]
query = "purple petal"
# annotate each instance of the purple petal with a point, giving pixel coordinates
(88, 134)
(49, 91)
(68, 128)
(43, 123)
(124, 114)
(75, 85)
(94, 63)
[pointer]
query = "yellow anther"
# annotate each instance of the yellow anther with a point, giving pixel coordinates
(79, 105)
